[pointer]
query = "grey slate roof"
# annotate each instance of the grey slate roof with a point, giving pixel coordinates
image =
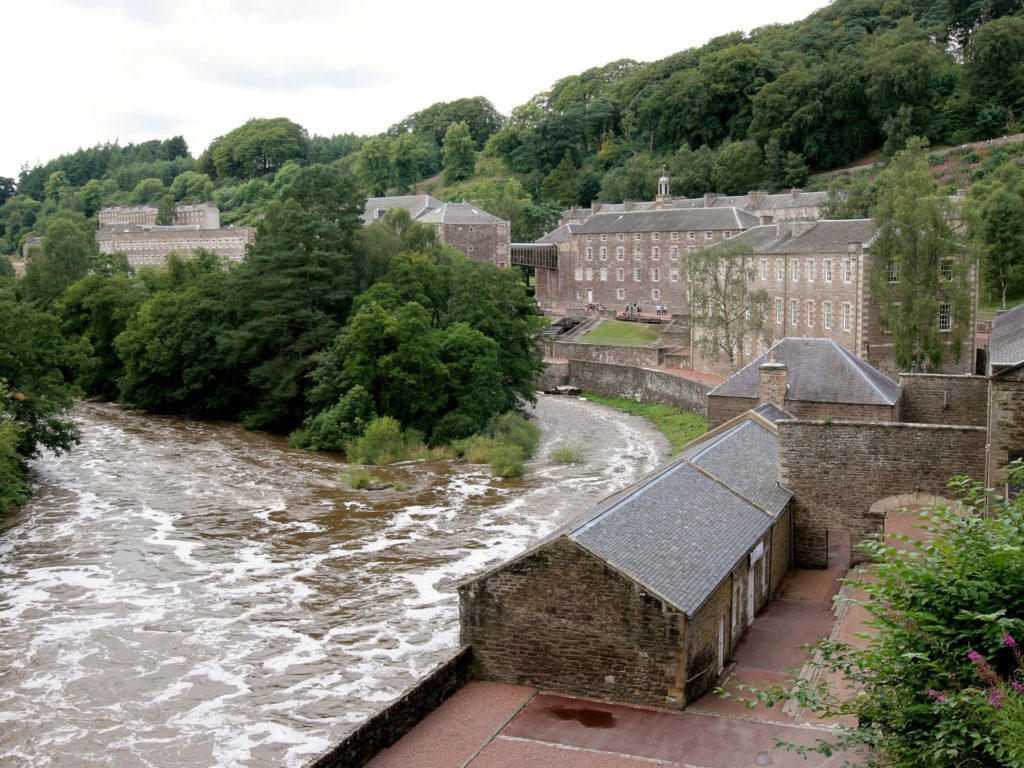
(457, 213)
(772, 412)
(561, 235)
(1006, 344)
(668, 221)
(681, 531)
(819, 370)
(416, 205)
(826, 236)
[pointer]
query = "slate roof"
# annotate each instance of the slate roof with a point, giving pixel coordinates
(826, 236)
(1006, 344)
(819, 370)
(668, 220)
(561, 235)
(681, 531)
(457, 213)
(416, 205)
(772, 412)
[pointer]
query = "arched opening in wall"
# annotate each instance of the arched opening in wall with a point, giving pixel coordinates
(901, 512)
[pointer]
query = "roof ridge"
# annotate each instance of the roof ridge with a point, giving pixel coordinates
(858, 366)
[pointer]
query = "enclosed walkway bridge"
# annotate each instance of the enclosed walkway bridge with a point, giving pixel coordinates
(535, 255)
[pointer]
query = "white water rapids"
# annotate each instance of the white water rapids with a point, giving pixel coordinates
(184, 594)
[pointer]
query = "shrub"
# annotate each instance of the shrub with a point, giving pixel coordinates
(568, 453)
(512, 428)
(359, 478)
(13, 488)
(453, 426)
(333, 428)
(384, 442)
(507, 460)
(476, 449)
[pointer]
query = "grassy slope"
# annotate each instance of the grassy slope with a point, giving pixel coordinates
(678, 426)
(623, 334)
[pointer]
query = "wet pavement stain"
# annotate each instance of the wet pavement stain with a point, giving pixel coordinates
(588, 718)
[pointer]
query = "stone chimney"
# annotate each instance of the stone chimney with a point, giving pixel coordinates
(794, 193)
(771, 383)
(755, 196)
(709, 198)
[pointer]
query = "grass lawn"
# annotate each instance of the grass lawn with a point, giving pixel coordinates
(624, 334)
(680, 427)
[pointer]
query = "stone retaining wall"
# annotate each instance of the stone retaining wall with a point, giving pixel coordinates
(933, 398)
(648, 357)
(398, 718)
(647, 385)
(838, 470)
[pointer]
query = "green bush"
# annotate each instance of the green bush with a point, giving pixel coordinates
(515, 429)
(453, 426)
(568, 453)
(359, 478)
(476, 449)
(507, 461)
(333, 428)
(384, 442)
(13, 488)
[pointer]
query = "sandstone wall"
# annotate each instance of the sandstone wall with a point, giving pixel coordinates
(560, 619)
(838, 470)
(641, 384)
(1006, 422)
(944, 399)
(721, 409)
(650, 357)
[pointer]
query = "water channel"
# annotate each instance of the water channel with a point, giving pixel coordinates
(185, 594)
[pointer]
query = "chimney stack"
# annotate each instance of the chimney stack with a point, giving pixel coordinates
(772, 383)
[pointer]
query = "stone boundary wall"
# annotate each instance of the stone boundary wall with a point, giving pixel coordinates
(721, 408)
(398, 718)
(647, 357)
(838, 470)
(646, 385)
(935, 398)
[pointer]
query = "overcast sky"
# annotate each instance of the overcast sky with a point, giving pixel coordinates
(83, 72)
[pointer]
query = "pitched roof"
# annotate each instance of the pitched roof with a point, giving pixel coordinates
(819, 370)
(561, 235)
(681, 531)
(1006, 344)
(668, 220)
(457, 213)
(416, 205)
(823, 236)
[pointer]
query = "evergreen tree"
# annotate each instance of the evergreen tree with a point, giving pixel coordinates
(459, 153)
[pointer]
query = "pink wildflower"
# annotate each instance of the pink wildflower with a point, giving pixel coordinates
(1009, 641)
(974, 656)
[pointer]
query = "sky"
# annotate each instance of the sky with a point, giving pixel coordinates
(86, 72)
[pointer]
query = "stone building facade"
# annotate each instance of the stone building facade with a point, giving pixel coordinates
(473, 231)
(635, 257)
(1005, 417)
(816, 274)
(643, 599)
(133, 231)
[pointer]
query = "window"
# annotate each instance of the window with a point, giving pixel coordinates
(379, 213)
(637, 237)
(847, 318)
(674, 252)
(603, 253)
(892, 272)
(656, 294)
(709, 235)
(810, 313)
(945, 269)
(780, 270)
(794, 310)
(764, 270)
(656, 236)
(887, 324)
(779, 312)
(655, 253)
(945, 318)
(620, 237)
(690, 248)
(620, 275)
(674, 276)
(691, 235)
(620, 253)
(604, 238)
(675, 236)
(590, 273)
(579, 273)
(637, 254)
(604, 274)
(689, 295)
(588, 254)
(826, 315)
(637, 275)
(794, 270)
(847, 271)
(827, 269)
(590, 238)
(620, 293)
(655, 275)
(810, 270)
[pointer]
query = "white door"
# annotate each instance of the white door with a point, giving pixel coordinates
(590, 296)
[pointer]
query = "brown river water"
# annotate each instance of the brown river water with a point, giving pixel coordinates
(184, 594)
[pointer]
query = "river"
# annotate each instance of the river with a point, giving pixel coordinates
(184, 594)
